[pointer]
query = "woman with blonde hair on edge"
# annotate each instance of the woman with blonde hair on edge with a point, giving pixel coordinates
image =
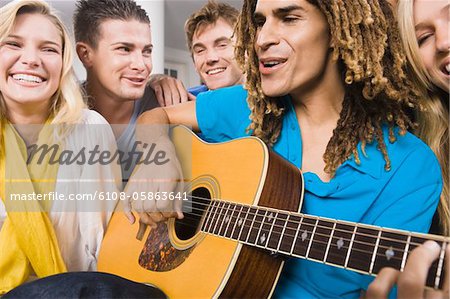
(44, 226)
(424, 25)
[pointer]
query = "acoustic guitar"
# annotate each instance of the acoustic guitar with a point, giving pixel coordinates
(243, 219)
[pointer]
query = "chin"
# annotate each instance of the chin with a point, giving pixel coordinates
(273, 91)
(133, 95)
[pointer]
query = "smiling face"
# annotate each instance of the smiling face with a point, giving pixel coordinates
(121, 63)
(432, 21)
(293, 46)
(31, 62)
(213, 53)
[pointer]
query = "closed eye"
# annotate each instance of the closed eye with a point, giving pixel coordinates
(12, 44)
(199, 50)
(50, 50)
(423, 38)
(290, 19)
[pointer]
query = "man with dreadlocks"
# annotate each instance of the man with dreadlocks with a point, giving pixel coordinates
(327, 89)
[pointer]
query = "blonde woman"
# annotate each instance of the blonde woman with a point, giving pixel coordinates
(41, 104)
(424, 25)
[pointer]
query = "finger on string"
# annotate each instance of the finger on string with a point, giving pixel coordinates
(146, 219)
(128, 213)
(383, 283)
(411, 284)
(446, 285)
(178, 203)
(156, 216)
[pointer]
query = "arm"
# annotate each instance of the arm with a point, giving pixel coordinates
(152, 128)
(183, 114)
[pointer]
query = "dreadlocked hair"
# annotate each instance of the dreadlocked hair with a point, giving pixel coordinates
(378, 91)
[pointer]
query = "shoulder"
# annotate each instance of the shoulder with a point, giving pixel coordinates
(224, 100)
(407, 154)
(223, 114)
(233, 93)
(407, 146)
(147, 102)
(92, 117)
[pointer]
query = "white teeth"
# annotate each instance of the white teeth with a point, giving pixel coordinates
(216, 71)
(27, 78)
(271, 63)
(447, 68)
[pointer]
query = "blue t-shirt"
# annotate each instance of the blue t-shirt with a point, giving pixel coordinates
(405, 197)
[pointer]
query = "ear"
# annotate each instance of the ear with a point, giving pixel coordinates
(85, 52)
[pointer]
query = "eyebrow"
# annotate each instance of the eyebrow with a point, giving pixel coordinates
(423, 25)
(47, 42)
(131, 45)
(221, 39)
(282, 11)
(288, 9)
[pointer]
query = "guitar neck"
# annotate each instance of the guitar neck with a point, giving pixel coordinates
(362, 248)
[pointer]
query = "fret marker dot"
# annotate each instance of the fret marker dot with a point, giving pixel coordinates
(340, 243)
(263, 238)
(270, 217)
(304, 235)
(227, 219)
(240, 222)
(389, 253)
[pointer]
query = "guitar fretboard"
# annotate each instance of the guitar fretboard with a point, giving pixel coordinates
(362, 248)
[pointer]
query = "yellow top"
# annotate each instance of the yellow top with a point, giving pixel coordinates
(27, 238)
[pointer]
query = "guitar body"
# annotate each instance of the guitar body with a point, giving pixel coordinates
(182, 260)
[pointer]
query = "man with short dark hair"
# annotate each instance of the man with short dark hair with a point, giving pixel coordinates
(113, 41)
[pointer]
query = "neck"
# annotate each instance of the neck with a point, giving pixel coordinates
(113, 109)
(25, 119)
(320, 107)
(320, 102)
(28, 114)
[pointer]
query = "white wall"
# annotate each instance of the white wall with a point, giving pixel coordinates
(183, 57)
(155, 10)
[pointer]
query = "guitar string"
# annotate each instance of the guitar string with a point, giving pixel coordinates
(249, 232)
(216, 217)
(314, 240)
(295, 249)
(252, 215)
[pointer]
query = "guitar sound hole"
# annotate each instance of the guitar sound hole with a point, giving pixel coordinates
(193, 211)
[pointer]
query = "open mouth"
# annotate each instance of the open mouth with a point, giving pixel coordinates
(216, 71)
(446, 69)
(27, 78)
(269, 66)
(137, 80)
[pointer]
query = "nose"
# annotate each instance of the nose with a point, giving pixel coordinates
(212, 56)
(139, 62)
(266, 36)
(442, 39)
(30, 57)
